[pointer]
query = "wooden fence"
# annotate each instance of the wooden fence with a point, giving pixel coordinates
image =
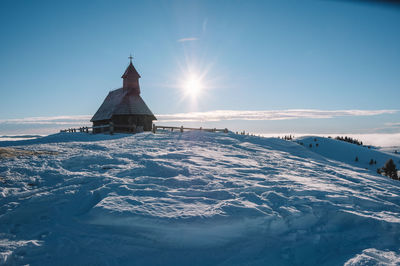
(110, 128)
(182, 129)
(103, 128)
(80, 129)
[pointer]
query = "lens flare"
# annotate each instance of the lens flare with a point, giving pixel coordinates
(194, 82)
(192, 86)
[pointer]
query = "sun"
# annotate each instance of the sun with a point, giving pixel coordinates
(193, 83)
(192, 86)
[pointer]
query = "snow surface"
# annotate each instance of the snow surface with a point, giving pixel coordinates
(195, 198)
(347, 152)
(372, 256)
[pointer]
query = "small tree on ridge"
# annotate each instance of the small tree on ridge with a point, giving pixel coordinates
(390, 169)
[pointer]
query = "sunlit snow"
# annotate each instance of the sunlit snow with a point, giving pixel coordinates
(195, 199)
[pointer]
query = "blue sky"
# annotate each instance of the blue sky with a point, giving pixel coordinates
(60, 58)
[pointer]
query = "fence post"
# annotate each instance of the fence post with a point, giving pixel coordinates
(111, 128)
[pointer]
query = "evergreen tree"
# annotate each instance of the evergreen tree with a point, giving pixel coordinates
(390, 169)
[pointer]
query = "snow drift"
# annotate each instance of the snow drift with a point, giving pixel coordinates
(194, 198)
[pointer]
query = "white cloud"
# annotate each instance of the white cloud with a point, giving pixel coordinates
(212, 116)
(395, 124)
(220, 115)
(204, 27)
(52, 124)
(379, 139)
(49, 120)
(188, 39)
(47, 125)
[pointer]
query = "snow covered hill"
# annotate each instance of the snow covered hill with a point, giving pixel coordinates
(348, 152)
(195, 199)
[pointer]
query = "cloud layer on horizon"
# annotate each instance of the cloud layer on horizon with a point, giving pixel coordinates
(49, 125)
(393, 124)
(212, 116)
(49, 120)
(220, 115)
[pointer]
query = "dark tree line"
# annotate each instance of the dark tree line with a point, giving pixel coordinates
(290, 137)
(350, 140)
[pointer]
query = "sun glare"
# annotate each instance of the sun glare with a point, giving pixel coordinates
(192, 86)
(194, 83)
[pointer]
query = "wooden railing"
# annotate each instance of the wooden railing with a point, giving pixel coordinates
(110, 128)
(79, 129)
(182, 129)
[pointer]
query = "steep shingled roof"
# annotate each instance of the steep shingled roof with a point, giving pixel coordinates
(121, 102)
(131, 72)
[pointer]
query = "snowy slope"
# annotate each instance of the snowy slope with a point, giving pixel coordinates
(192, 199)
(347, 152)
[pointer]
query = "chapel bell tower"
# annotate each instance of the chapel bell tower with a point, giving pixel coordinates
(131, 79)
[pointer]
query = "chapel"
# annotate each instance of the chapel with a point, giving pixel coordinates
(124, 108)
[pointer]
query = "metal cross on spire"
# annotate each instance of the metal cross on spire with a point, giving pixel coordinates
(130, 57)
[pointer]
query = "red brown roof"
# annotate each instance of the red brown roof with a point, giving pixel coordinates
(130, 72)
